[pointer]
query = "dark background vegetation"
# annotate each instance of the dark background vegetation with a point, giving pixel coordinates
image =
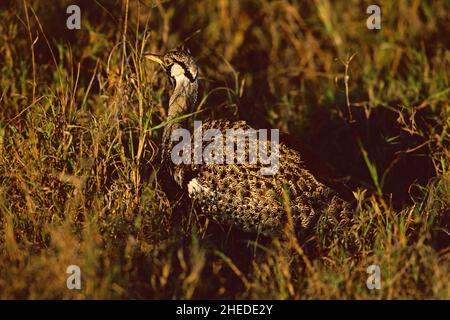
(79, 136)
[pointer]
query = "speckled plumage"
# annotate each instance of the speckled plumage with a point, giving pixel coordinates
(238, 194)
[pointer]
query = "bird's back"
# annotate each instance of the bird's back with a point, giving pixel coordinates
(240, 195)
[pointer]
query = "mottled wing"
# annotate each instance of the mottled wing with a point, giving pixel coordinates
(238, 194)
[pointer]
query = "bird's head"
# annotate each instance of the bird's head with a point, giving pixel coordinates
(179, 65)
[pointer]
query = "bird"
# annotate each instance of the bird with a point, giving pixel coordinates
(239, 195)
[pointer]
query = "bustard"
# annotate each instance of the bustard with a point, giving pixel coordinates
(238, 194)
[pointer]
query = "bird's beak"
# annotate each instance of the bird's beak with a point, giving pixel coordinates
(154, 57)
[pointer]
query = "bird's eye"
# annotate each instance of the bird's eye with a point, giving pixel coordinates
(167, 61)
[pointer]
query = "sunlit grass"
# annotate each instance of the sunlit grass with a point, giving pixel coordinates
(81, 119)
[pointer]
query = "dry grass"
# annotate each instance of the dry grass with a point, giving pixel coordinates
(80, 127)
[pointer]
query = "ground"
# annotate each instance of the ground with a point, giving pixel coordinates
(81, 117)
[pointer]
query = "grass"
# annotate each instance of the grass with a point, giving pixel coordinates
(81, 120)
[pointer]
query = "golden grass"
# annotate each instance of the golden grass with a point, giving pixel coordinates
(80, 127)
